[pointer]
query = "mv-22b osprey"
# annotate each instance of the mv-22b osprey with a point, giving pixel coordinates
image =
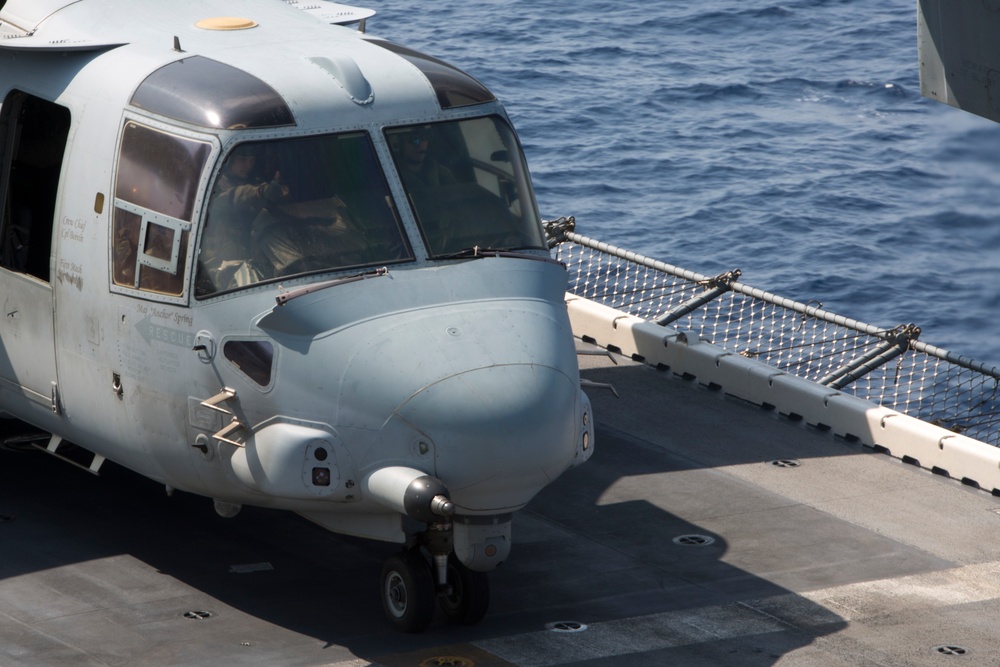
(255, 254)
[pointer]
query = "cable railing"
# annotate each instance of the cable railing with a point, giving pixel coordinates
(888, 366)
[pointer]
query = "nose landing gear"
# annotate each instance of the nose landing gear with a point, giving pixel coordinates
(467, 596)
(409, 592)
(428, 569)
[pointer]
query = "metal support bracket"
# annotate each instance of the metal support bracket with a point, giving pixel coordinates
(225, 395)
(53, 448)
(599, 385)
(597, 353)
(56, 403)
(714, 288)
(555, 230)
(227, 433)
(897, 341)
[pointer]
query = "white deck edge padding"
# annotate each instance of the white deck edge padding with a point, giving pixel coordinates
(904, 437)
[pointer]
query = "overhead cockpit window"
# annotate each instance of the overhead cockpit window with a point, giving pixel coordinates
(454, 88)
(155, 193)
(468, 185)
(292, 207)
(206, 92)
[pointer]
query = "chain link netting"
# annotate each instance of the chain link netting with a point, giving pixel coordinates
(887, 366)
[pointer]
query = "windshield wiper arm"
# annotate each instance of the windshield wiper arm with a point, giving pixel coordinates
(479, 252)
(285, 297)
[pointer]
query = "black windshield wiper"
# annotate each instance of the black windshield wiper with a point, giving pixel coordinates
(285, 297)
(479, 252)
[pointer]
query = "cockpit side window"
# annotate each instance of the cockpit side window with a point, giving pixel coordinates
(253, 358)
(293, 207)
(155, 194)
(468, 185)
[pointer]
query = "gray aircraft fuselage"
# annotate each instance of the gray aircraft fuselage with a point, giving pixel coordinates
(260, 256)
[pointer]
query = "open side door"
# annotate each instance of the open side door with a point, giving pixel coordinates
(33, 136)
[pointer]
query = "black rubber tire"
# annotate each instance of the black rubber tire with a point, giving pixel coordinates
(470, 594)
(408, 591)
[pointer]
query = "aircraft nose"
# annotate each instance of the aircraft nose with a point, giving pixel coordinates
(500, 433)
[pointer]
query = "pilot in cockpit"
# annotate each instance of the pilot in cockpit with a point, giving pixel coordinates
(417, 168)
(237, 199)
(238, 196)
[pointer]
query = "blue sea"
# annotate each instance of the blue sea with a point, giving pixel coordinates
(788, 140)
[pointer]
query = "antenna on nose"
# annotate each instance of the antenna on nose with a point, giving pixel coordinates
(177, 44)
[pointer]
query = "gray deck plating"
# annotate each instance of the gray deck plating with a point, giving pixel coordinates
(850, 558)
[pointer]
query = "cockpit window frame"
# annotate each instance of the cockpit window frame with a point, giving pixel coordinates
(474, 166)
(261, 139)
(181, 251)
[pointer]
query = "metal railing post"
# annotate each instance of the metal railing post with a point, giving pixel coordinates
(716, 287)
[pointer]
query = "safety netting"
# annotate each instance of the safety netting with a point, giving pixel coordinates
(888, 366)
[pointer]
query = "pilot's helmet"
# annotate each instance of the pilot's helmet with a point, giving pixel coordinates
(413, 136)
(242, 160)
(242, 151)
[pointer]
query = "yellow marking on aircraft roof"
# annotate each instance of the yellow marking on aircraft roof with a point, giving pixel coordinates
(226, 23)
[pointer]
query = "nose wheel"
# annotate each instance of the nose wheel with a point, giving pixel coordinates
(467, 596)
(408, 592)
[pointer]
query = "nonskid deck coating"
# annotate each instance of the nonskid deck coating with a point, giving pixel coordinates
(850, 558)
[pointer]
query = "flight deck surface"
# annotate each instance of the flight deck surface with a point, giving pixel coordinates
(704, 531)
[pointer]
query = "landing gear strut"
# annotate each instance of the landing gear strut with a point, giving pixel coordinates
(409, 591)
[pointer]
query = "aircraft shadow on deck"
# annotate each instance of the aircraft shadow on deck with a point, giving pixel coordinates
(596, 546)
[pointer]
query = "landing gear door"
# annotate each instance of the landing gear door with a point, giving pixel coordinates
(32, 143)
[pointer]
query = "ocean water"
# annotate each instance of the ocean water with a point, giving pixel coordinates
(788, 140)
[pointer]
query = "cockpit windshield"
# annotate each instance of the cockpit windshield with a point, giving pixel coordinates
(289, 207)
(468, 185)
